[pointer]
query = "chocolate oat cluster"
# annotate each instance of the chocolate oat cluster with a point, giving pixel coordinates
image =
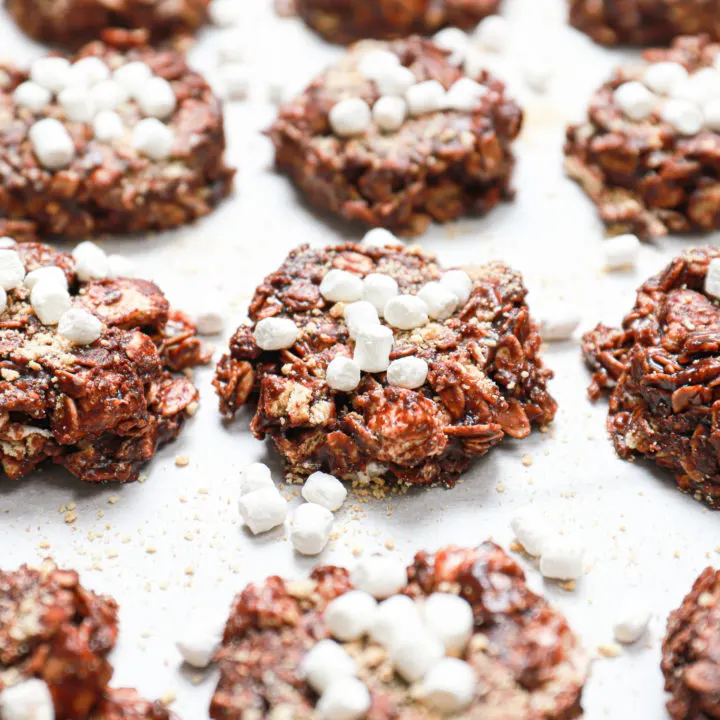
(661, 367)
(395, 136)
(450, 370)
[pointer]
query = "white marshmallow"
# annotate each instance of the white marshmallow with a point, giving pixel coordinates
(49, 273)
(379, 575)
(28, 700)
(276, 333)
(379, 289)
(701, 87)
(449, 686)
(263, 510)
(324, 489)
(153, 139)
(32, 96)
(156, 98)
(373, 346)
(345, 699)
(712, 279)
(459, 283)
(91, 262)
(52, 144)
(408, 372)
(620, 252)
(209, 322)
(631, 625)
(236, 80)
(664, 77)
(415, 653)
(88, 71)
(108, 126)
(376, 63)
(198, 644)
(51, 301)
(711, 114)
(531, 532)
(455, 41)
(311, 528)
(77, 103)
(358, 314)
(395, 617)
(389, 113)
(396, 81)
(108, 95)
(464, 95)
(558, 321)
(684, 116)
(562, 559)
(231, 47)
(255, 476)
(440, 300)
(450, 618)
(406, 312)
(350, 117)
(325, 663)
(133, 76)
(492, 33)
(120, 266)
(350, 616)
(538, 73)
(7, 242)
(12, 269)
(342, 374)
(380, 237)
(52, 73)
(224, 13)
(635, 100)
(425, 97)
(3, 301)
(341, 286)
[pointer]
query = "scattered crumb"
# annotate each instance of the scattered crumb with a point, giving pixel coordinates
(609, 650)
(182, 460)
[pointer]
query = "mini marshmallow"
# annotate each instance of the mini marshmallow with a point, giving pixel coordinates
(406, 312)
(464, 95)
(120, 266)
(342, 374)
(425, 97)
(458, 282)
(326, 663)
(620, 252)
(133, 76)
(311, 528)
(492, 33)
(455, 41)
(389, 113)
(50, 301)
(156, 98)
(631, 625)
(224, 13)
(557, 322)
(396, 617)
(358, 314)
(376, 63)
(684, 115)
(52, 73)
(88, 71)
(263, 510)
(255, 476)
(52, 144)
(108, 126)
(3, 301)
(231, 47)
(235, 79)
(712, 279)
(91, 262)
(531, 532)
(350, 117)
(408, 372)
(28, 700)
(49, 273)
(32, 96)
(6, 243)
(324, 489)
(379, 575)
(711, 114)
(449, 686)
(380, 237)
(198, 644)
(379, 289)
(108, 95)
(77, 103)
(664, 77)
(414, 654)
(562, 559)
(276, 333)
(373, 346)
(538, 73)
(345, 699)
(701, 87)
(12, 269)
(150, 137)
(396, 81)
(450, 618)
(209, 322)
(351, 615)
(440, 300)
(635, 100)
(341, 286)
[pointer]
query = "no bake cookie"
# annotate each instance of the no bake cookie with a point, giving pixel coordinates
(55, 638)
(395, 136)
(662, 367)
(691, 652)
(647, 154)
(120, 138)
(409, 403)
(514, 655)
(350, 20)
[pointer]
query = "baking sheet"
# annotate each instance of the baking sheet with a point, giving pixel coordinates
(172, 551)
